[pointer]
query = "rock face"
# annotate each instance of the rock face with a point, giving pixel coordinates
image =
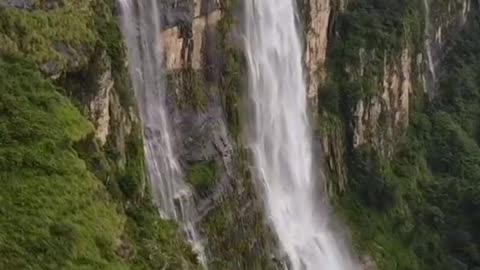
(378, 121)
(100, 104)
(367, 263)
(195, 61)
(195, 104)
(442, 21)
(187, 32)
(76, 64)
(202, 137)
(31, 4)
(383, 119)
(75, 58)
(333, 149)
(21, 4)
(316, 45)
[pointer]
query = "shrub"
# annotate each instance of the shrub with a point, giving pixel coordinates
(202, 176)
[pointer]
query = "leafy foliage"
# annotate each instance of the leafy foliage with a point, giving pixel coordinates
(202, 176)
(231, 248)
(66, 201)
(63, 35)
(433, 221)
(368, 34)
(233, 67)
(54, 212)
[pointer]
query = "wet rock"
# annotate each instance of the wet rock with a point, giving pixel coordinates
(72, 56)
(444, 22)
(53, 69)
(185, 41)
(367, 263)
(380, 120)
(100, 103)
(177, 12)
(20, 4)
(52, 4)
(148, 133)
(31, 4)
(316, 45)
(203, 7)
(182, 12)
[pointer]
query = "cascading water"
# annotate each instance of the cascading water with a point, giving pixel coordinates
(281, 138)
(428, 41)
(140, 23)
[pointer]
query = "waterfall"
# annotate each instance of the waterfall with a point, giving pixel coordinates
(281, 139)
(428, 41)
(140, 24)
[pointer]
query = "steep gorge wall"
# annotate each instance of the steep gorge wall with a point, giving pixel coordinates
(379, 115)
(77, 46)
(204, 66)
(443, 22)
(379, 83)
(368, 89)
(85, 202)
(372, 77)
(318, 21)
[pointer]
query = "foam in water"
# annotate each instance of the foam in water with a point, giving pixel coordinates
(140, 23)
(281, 139)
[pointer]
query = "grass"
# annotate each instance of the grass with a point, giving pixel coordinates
(35, 34)
(419, 210)
(54, 212)
(202, 176)
(193, 89)
(66, 202)
(369, 33)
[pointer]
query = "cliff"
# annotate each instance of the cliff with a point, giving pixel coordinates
(383, 82)
(205, 69)
(393, 89)
(74, 193)
(369, 74)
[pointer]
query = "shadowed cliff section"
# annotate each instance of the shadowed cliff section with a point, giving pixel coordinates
(388, 168)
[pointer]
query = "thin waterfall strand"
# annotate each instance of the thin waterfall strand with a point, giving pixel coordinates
(428, 41)
(140, 23)
(281, 139)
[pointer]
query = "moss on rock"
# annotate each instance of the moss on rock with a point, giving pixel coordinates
(64, 36)
(67, 201)
(202, 176)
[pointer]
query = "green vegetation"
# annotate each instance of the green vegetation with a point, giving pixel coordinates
(110, 40)
(233, 68)
(154, 243)
(64, 35)
(54, 213)
(191, 88)
(420, 210)
(369, 33)
(234, 248)
(66, 201)
(229, 246)
(371, 24)
(202, 176)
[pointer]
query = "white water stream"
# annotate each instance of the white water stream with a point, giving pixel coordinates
(281, 139)
(140, 23)
(428, 41)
